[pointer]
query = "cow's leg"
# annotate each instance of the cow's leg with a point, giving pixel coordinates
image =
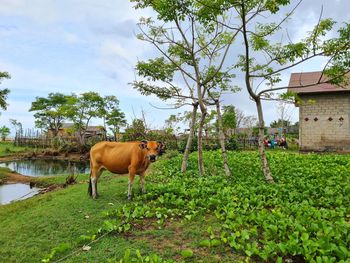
(132, 172)
(95, 174)
(142, 180)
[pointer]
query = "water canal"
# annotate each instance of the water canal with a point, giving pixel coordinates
(46, 167)
(16, 192)
(36, 167)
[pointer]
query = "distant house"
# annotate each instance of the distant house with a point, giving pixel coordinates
(323, 114)
(67, 130)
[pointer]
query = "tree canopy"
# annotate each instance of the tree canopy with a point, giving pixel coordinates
(50, 112)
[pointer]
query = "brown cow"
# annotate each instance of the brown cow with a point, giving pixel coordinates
(121, 158)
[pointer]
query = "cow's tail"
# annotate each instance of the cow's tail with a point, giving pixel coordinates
(90, 186)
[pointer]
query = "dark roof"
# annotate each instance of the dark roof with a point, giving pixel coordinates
(307, 78)
(95, 128)
(89, 128)
(67, 125)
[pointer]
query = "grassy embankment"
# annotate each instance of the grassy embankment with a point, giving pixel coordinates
(304, 216)
(30, 229)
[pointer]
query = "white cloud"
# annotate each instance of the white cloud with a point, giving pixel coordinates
(113, 50)
(71, 38)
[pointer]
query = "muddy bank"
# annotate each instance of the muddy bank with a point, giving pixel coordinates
(13, 177)
(45, 154)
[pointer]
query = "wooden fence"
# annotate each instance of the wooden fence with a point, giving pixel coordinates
(38, 139)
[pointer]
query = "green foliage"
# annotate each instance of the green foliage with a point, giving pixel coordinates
(156, 69)
(137, 257)
(229, 118)
(80, 109)
(8, 148)
(161, 92)
(50, 111)
(256, 131)
(4, 92)
(136, 131)
(114, 117)
(187, 253)
(280, 123)
(232, 143)
(194, 146)
(57, 250)
(4, 132)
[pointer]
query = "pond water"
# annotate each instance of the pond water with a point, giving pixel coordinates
(15, 192)
(42, 167)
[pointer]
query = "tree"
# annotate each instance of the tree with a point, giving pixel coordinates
(111, 114)
(17, 125)
(221, 136)
(115, 119)
(50, 112)
(229, 121)
(81, 109)
(284, 112)
(4, 92)
(280, 123)
(249, 121)
(193, 46)
(4, 132)
(266, 54)
(171, 124)
(135, 131)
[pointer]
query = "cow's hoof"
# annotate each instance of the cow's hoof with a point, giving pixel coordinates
(129, 197)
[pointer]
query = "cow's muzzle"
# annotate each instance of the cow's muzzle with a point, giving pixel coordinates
(152, 158)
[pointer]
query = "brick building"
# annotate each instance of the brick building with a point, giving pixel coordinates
(323, 114)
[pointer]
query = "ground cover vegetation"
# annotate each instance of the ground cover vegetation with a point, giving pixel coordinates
(304, 216)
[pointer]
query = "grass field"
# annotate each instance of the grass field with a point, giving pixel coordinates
(7, 148)
(303, 217)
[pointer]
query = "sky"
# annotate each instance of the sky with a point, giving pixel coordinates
(76, 46)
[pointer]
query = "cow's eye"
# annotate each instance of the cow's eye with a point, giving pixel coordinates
(147, 149)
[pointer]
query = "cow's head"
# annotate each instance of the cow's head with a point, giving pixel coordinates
(153, 149)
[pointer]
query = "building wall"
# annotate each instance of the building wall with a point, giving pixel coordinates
(324, 134)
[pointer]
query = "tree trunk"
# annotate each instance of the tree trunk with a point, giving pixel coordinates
(115, 135)
(222, 139)
(200, 142)
(264, 161)
(55, 132)
(105, 129)
(190, 138)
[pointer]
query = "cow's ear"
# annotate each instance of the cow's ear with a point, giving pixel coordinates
(161, 147)
(143, 144)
